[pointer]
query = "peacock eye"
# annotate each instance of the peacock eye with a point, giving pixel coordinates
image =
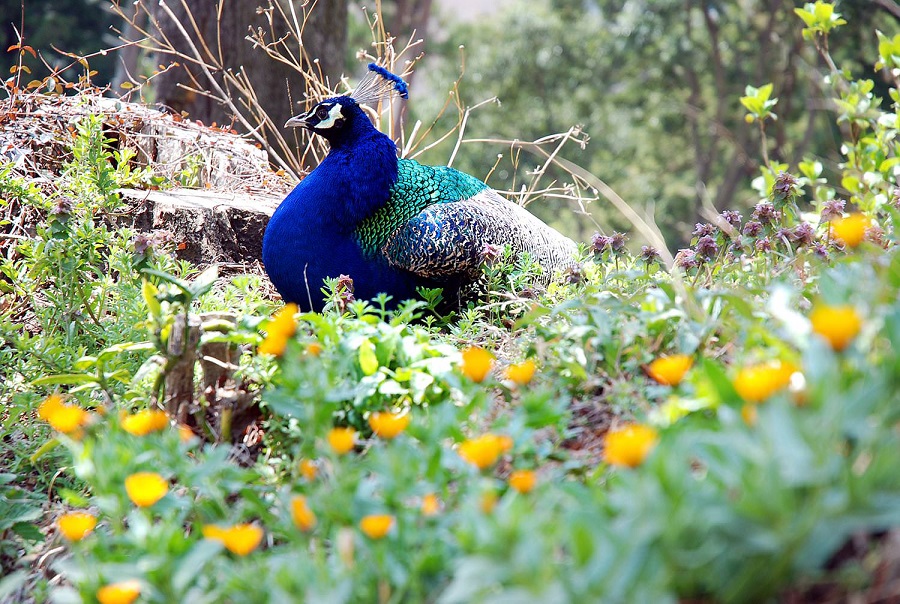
(322, 112)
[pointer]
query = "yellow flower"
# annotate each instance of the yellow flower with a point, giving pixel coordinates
(850, 230)
(67, 419)
(431, 505)
(280, 329)
(629, 446)
(837, 324)
(240, 539)
(477, 362)
(75, 526)
(123, 592)
(303, 517)
(520, 373)
(484, 450)
(388, 425)
(144, 422)
(342, 439)
(376, 526)
(670, 370)
(49, 406)
(523, 480)
(146, 488)
(756, 383)
(308, 469)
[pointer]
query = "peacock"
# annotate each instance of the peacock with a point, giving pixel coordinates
(392, 224)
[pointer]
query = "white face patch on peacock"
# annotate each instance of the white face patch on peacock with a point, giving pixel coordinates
(334, 114)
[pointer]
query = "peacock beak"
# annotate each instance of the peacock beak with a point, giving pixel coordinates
(298, 121)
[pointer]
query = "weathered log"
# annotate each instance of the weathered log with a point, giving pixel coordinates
(208, 226)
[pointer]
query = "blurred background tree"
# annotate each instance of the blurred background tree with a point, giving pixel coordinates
(656, 84)
(75, 26)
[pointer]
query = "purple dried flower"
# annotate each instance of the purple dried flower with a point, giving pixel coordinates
(763, 245)
(686, 259)
(491, 253)
(832, 209)
(732, 217)
(703, 229)
(895, 198)
(649, 254)
(766, 213)
(344, 292)
(804, 234)
(821, 251)
(599, 243)
(875, 234)
(140, 243)
(617, 241)
(707, 247)
(753, 228)
(785, 186)
(784, 235)
(63, 206)
(574, 274)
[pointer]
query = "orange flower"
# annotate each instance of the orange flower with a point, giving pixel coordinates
(837, 324)
(185, 433)
(123, 592)
(144, 422)
(759, 382)
(303, 517)
(388, 425)
(146, 488)
(520, 373)
(280, 329)
(240, 539)
(488, 502)
(749, 414)
(75, 526)
(342, 439)
(431, 505)
(523, 480)
(376, 526)
(308, 469)
(484, 450)
(850, 230)
(477, 362)
(629, 446)
(49, 406)
(313, 349)
(67, 419)
(670, 370)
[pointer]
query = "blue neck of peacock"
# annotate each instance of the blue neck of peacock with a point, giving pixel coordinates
(356, 177)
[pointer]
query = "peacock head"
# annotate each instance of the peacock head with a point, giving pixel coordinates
(338, 117)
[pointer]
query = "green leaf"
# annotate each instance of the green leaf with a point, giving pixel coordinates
(28, 531)
(204, 281)
(368, 362)
(149, 291)
(65, 378)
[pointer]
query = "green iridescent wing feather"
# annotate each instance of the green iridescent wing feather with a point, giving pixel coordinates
(439, 220)
(417, 187)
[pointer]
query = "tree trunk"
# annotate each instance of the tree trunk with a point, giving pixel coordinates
(224, 32)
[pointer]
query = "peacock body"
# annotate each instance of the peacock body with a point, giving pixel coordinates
(391, 224)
